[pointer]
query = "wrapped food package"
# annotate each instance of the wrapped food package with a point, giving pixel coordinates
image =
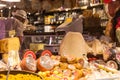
(45, 63)
(73, 46)
(28, 62)
(8, 44)
(97, 47)
(12, 59)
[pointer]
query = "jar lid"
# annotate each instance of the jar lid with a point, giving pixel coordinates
(28, 53)
(46, 52)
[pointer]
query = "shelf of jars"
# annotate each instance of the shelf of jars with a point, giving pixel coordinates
(29, 33)
(54, 18)
(57, 16)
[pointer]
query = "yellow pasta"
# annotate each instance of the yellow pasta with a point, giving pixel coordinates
(20, 77)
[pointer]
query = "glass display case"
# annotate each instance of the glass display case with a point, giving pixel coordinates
(43, 41)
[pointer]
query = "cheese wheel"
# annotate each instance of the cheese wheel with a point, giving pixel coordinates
(5, 57)
(9, 44)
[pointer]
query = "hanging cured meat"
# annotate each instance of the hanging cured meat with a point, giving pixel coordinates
(112, 6)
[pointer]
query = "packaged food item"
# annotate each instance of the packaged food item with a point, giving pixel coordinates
(45, 63)
(43, 52)
(97, 47)
(29, 52)
(29, 61)
(13, 60)
(112, 64)
(106, 68)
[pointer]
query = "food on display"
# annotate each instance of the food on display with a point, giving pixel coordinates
(9, 47)
(43, 52)
(29, 52)
(112, 64)
(45, 63)
(118, 57)
(72, 62)
(19, 75)
(46, 52)
(97, 47)
(3, 66)
(5, 57)
(73, 46)
(70, 71)
(103, 75)
(108, 69)
(8, 44)
(13, 60)
(28, 62)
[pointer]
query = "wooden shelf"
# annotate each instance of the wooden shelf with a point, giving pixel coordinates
(43, 33)
(77, 9)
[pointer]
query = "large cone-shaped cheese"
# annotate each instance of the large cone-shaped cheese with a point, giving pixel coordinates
(73, 45)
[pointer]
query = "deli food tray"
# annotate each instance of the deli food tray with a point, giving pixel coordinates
(17, 72)
(112, 78)
(14, 72)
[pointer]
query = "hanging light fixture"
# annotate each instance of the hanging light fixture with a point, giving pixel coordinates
(11, 0)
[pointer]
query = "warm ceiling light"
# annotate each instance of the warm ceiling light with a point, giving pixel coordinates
(113, 0)
(2, 5)
(11, 0)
